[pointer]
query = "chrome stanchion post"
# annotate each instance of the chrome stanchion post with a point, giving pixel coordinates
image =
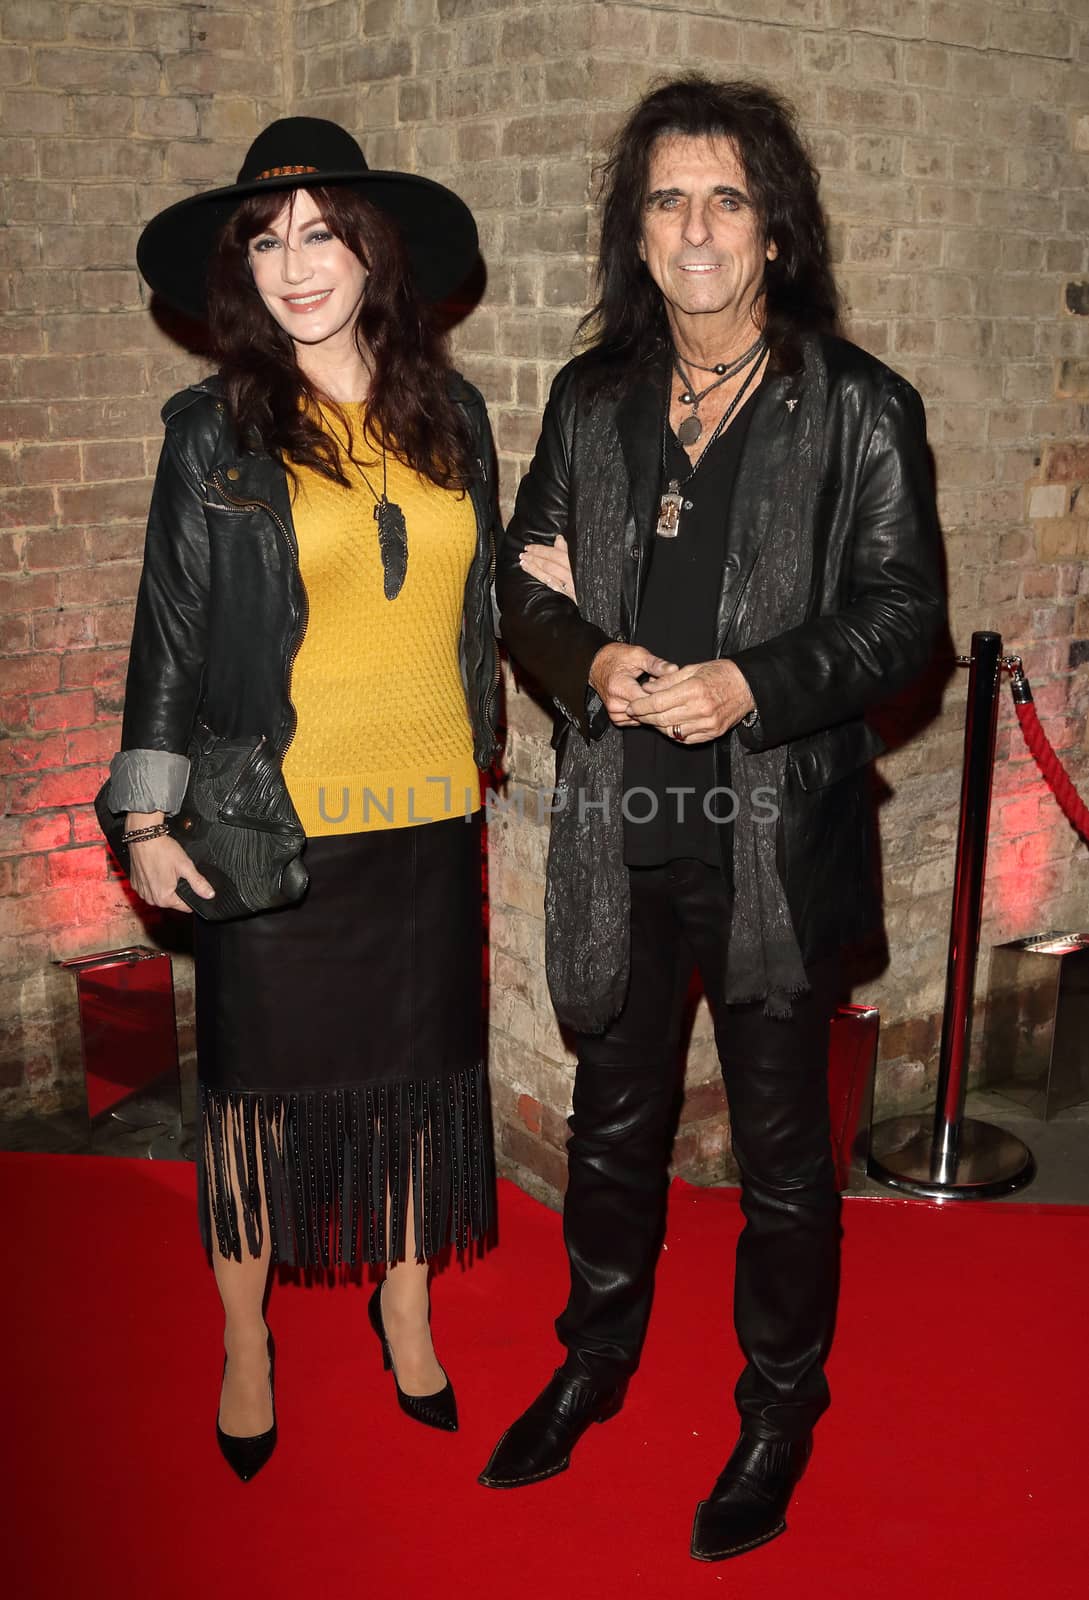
(947, 1157)
(975, 809)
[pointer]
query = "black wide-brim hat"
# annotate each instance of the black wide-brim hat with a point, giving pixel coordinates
(303, 153)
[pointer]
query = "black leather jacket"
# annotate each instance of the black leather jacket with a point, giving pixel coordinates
(877, 602)
(221, 611)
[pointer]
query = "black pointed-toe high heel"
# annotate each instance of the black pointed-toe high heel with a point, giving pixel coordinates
(247, 1454)
(433, 1410)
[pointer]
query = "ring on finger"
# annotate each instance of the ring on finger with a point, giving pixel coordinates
(678, 732)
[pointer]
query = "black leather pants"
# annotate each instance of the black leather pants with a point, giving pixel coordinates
(626, 1097)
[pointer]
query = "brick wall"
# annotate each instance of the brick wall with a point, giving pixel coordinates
(953, 141)
(107, 113)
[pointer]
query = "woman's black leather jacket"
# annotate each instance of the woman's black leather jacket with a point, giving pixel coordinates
(221, 611)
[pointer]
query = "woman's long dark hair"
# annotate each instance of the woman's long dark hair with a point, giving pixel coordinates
(628, 322)
(408, 406)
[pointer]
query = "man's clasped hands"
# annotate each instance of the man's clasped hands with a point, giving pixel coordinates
(690, 704)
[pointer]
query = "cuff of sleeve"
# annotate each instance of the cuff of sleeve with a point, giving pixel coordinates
(584, 698)
(753, 730)
(147, 780)
(750, 732)
(597, 718)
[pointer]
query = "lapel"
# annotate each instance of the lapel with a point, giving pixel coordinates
(260, 480)
(639, 427)
(639, 424)
(246, 476)
(756, 505)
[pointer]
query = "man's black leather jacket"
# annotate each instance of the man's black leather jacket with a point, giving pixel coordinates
(221, 611)
(876, 600)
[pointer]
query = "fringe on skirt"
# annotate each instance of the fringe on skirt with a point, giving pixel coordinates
(336, 1166)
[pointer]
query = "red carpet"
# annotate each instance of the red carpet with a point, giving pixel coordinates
(946, 1468)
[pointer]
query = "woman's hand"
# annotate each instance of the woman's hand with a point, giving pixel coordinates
(615, 674)
(550, 564)
(155, 865)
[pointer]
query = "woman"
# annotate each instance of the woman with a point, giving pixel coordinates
(317, 570)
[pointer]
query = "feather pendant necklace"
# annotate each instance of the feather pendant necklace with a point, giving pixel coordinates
(393, 545)
(392, 533)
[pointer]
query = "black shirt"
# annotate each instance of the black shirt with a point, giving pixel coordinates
(676, 621)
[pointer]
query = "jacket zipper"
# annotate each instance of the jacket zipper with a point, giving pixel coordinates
(300, 634)
(489, 698)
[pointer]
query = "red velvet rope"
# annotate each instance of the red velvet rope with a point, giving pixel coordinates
(1073, 806)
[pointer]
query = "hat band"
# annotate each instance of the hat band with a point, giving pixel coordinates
(283, 172)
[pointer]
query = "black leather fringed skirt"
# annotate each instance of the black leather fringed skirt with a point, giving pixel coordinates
(339, 1047)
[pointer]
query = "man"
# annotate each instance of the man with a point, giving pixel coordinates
(747, 506)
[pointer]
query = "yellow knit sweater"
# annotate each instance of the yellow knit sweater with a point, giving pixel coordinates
(383, 737)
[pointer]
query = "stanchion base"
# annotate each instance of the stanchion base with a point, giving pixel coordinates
(175, 1144)
(991, 1162)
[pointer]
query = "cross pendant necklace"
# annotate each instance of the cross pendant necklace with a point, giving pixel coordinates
(672, 502)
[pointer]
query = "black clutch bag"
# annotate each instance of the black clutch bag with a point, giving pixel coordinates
(236, 823)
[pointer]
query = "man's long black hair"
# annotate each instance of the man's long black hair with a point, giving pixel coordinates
(628, 322)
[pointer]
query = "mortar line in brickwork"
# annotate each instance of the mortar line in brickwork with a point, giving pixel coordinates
(287, 55)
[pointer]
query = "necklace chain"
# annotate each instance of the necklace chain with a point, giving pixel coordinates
(672, 501)
(753, 356)
(691, 428)
(392, 530)
(723, 370)
(378, 498)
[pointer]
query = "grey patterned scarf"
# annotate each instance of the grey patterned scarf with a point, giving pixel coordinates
(587, 899)
(587, 902)
(764, 961)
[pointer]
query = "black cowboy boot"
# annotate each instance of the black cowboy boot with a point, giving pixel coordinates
(539, 1444)
(747, 1506)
